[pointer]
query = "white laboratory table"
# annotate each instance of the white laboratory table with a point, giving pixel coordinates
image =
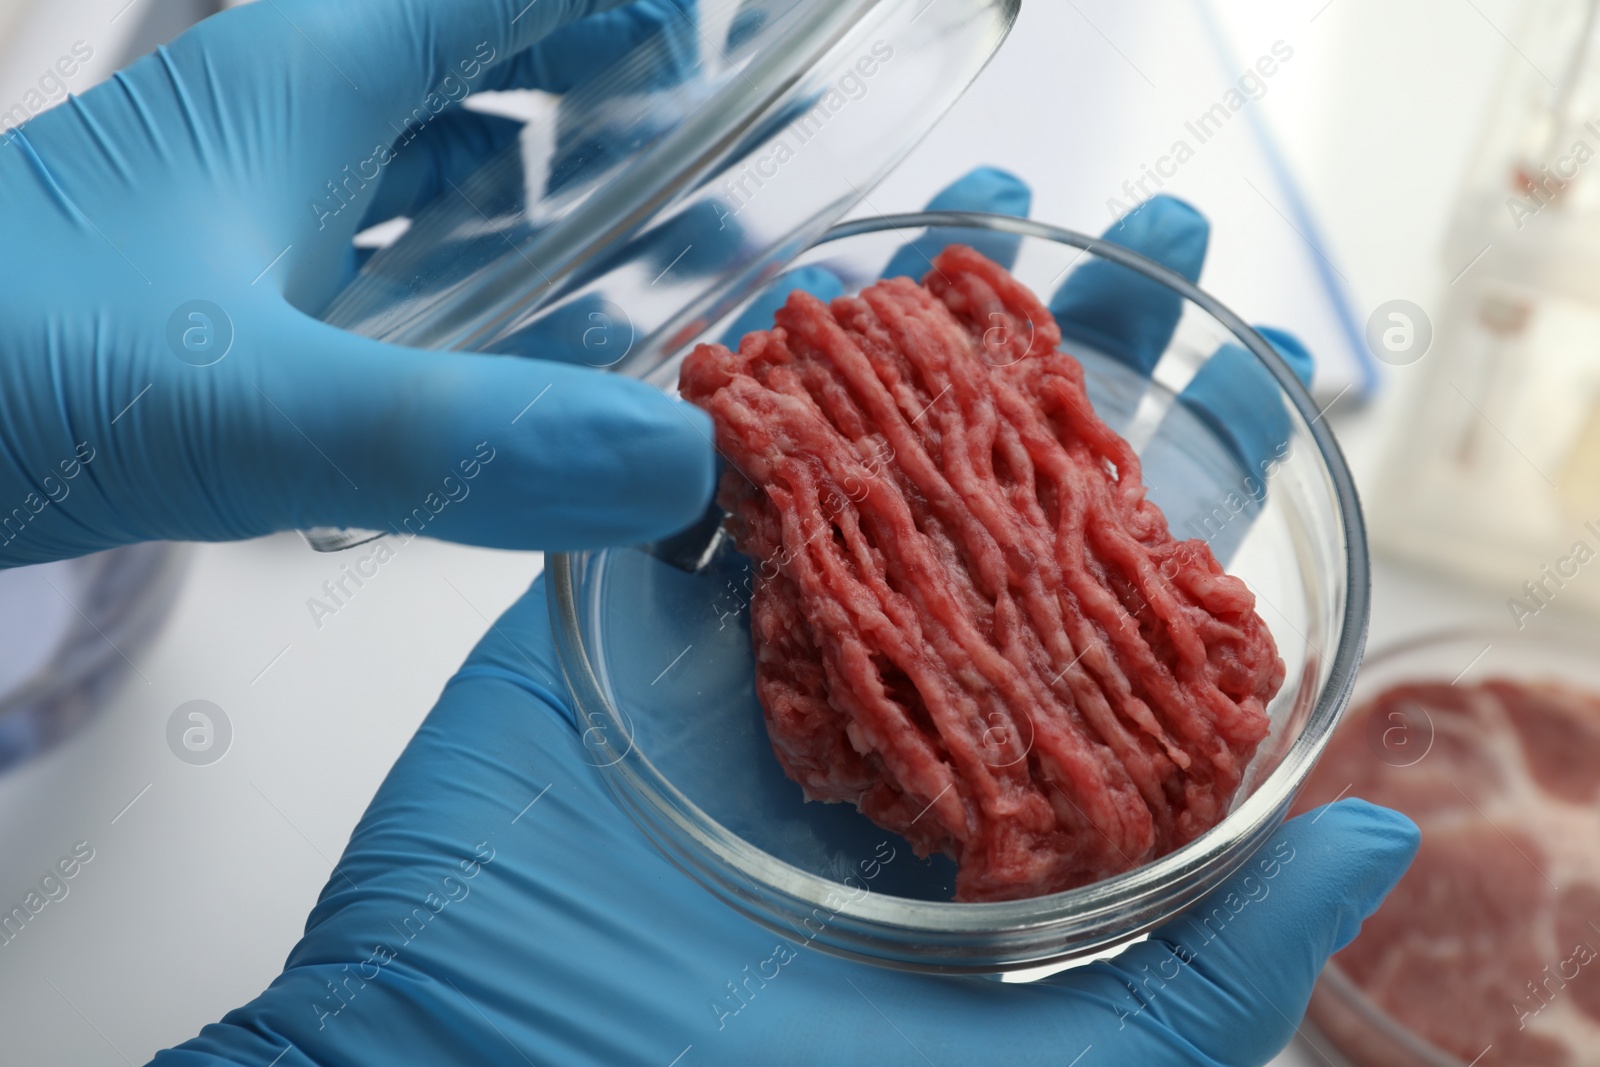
(202, 875)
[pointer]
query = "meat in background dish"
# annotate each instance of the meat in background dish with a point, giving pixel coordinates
(1488, 951)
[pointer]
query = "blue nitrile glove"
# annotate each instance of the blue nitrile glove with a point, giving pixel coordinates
(1230, 392)
(495, 906)
(171, 232)
(1101, 304)
(1132, 319)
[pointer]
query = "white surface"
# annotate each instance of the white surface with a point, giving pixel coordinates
(31, 45)
(198, 890)
(1179, 123)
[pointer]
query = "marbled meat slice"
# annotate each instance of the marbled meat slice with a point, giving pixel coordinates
(967, 619)
(1489, 948)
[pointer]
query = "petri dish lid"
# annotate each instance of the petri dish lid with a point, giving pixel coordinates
(666, 187)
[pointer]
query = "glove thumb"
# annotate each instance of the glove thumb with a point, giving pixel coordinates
(499, 451)
(1230, 978)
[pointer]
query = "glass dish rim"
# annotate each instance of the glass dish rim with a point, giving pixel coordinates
(1248, 822)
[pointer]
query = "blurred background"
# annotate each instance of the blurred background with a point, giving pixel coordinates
(1402, 189)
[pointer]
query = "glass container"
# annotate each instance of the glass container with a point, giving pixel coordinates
(661, 669)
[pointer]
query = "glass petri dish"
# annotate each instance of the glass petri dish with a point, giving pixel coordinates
(669, 185)
(1341, 1013)
(662, 673)
(74, 627)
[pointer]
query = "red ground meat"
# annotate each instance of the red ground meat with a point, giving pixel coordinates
(968, 620)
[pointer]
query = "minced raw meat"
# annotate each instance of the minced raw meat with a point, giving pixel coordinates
(967, 618)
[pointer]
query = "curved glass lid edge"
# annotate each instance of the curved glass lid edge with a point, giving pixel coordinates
(617, 211)
(656, 358)
(478, 313)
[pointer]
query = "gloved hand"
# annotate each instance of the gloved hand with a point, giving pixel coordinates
(495, 906)
(171, 232)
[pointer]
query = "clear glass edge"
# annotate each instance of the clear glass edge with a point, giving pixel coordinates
(339, 538)
(620, 206)
(1206, 859)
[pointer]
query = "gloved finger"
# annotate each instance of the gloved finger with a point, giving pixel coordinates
(1240, 400)
(487, 450)
(422, 164)
(1124, 314)
(581, 53)
(1228, 981)
(983, 189)
(1240, 403)
(690, 244)
(820, 282)
(590, 330)
(1293, 351)
(702, 238)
